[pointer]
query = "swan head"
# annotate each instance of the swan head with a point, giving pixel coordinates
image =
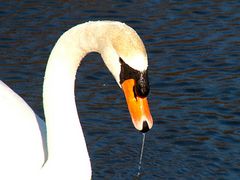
(126, 58)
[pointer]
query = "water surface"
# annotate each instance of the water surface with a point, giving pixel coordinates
(194, 67)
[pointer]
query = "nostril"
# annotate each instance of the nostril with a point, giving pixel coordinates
(135, 92)
(145, 127)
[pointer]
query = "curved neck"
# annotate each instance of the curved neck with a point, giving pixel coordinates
(65, 139)
(67, 148)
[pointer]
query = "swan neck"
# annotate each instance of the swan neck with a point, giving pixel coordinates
(65, 137)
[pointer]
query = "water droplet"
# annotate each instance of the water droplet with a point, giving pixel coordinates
(141, 156)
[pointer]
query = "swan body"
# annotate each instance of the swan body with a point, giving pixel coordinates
(22, 136)
(31, 149)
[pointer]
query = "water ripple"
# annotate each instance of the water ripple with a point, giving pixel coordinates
(193, 50)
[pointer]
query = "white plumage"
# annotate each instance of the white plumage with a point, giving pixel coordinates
(23, 151)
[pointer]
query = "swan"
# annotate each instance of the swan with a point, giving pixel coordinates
(33, 149)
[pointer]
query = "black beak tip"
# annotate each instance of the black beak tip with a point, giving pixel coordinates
(145, 127)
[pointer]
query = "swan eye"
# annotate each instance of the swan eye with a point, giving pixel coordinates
(141, 87)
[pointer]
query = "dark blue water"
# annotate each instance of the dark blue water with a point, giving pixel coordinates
(194, 68)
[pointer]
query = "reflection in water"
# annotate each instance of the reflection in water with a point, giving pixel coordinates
(193, 51)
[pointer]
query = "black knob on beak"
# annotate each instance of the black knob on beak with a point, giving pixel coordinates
(142, 84)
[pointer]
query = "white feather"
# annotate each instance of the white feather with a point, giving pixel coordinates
(24, 153)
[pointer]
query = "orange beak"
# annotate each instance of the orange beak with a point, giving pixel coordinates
(138, 107)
